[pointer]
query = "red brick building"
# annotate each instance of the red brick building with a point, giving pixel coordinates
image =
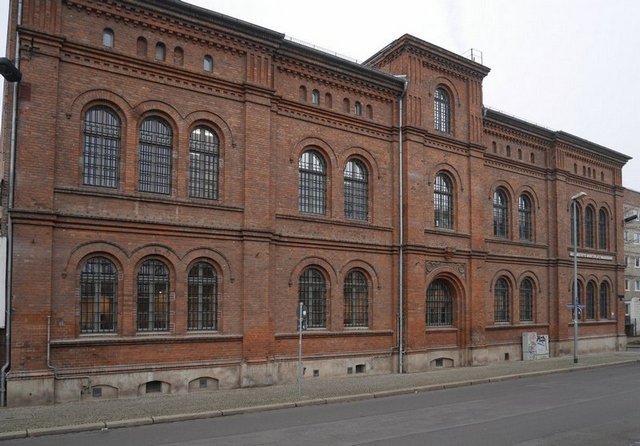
(179, 180)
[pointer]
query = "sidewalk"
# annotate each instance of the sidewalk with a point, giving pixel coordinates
(109, 414)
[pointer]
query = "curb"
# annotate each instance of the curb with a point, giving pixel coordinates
(56, 430)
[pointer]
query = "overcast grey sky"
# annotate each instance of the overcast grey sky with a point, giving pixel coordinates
(567, 65)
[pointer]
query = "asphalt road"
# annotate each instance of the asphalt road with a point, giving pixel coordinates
(586, 407)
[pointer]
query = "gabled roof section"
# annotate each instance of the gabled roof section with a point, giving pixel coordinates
(429, 53)
(555, 136)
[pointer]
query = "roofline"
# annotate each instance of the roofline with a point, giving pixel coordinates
(555, 135)
(408, 40)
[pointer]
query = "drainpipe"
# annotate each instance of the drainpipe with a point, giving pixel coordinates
(401, 234)
(9, 258)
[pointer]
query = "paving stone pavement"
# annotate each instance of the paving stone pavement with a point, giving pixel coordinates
(21, 422)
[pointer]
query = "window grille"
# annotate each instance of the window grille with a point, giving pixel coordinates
(604, 301)
(526, 301)
(356, 191)
(603, 230)
(500, 214)
(203, 163)
(443, 202)
(312, 292)
(155, 156)
(441, 110)
(591, 301)
(153, 296)
(439, 304)
(98, 296)
(202, 297)
(524, 218)
(312, 183)
(356, 297)
(589, 226)
(101, 154)
(501, 294)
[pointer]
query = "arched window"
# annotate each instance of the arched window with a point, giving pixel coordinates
(101, 151)
(603, 230)
(203, 163)
(439, 304)
(312, 183)
(202, 297)
(161, 51)
(141, 47)
(441, 110)
(526, 300)
(153, 296)
(315, 97)
(346, 105)
(356, 300)
(107, 38)
(302, 93)
(156, 142)
(500, 214)
(443, 202)
(369, 111)
(328, 100)
(178, 56)
(591, 301)
(356, 190)
(501, 302)
(589, 227)
(604, 300)
(580, 299)
(207, 63)
(525, 226)
(578, 223)
(312, 293)
(98, 296)
(358, 108)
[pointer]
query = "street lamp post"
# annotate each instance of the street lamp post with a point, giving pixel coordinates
(574, 199)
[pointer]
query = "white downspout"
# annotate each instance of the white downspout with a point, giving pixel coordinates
(401, 232)
(9, 266)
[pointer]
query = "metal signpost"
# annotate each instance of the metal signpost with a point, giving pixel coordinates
(301, 312)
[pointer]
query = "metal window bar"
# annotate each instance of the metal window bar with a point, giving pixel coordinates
(589, 227)
(356, 300)
(500, 215)
(312, 292)
(312, 183)
(153, 297)
(203, 164)
(604, 301)
(441, 110)
(155, 156)
(526, 301)
(356, 191)
(202, 298)
(602, 230)
(524, 218)
(439, 304)
(101, 154)
(501, 301)
(443, 202)
(591, 301)
(98, 296)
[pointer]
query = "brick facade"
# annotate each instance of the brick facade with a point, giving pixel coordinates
(269, 101)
